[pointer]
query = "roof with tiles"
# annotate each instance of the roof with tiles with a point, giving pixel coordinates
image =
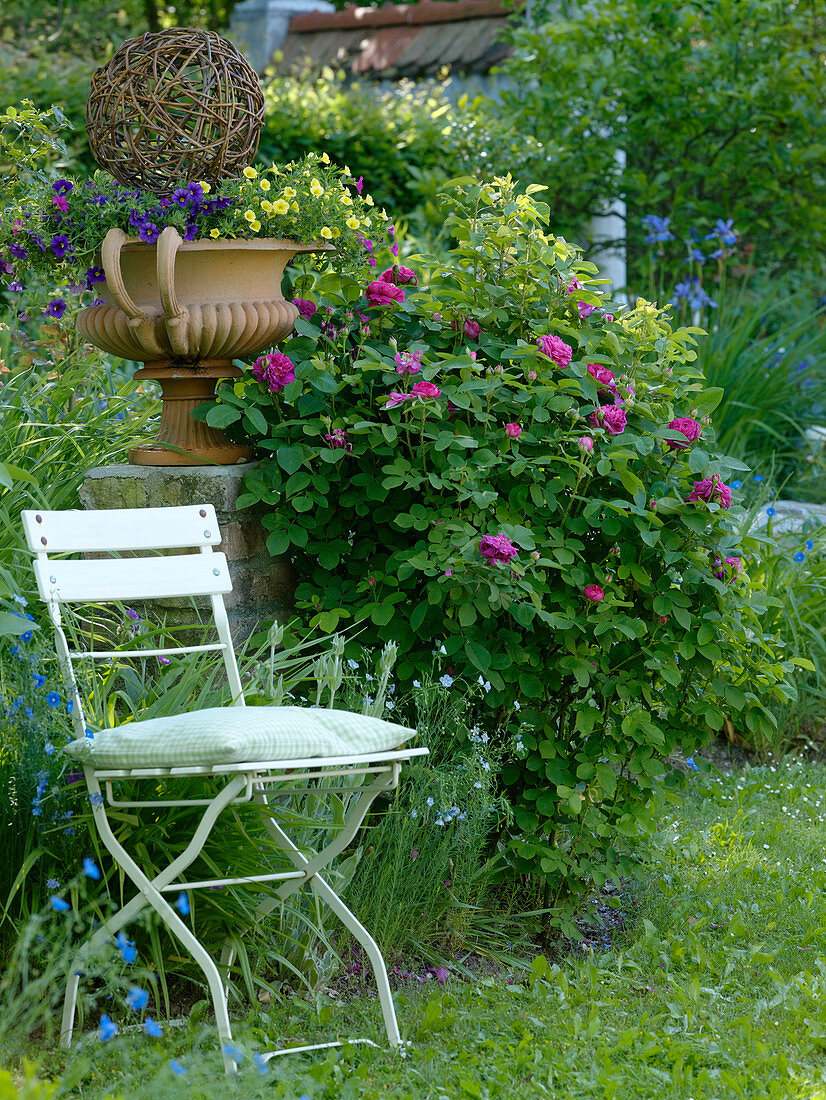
(399, 41)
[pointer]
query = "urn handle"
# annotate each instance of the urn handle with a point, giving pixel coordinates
(110, 251)
(175, 316)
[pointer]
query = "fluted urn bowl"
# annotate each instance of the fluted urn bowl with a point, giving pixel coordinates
(186, 309)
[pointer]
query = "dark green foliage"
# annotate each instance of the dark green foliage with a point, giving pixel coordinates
(719, 107)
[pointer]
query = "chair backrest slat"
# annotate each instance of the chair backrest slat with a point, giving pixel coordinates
(104, 579)
(121, 529)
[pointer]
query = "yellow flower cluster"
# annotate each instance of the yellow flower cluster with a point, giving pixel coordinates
(319, 200)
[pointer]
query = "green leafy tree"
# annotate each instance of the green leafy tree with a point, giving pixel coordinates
(718, 106)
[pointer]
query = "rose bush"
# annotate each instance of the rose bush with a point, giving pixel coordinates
(575, 575)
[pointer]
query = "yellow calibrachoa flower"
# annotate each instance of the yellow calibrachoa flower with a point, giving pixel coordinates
(316, 188)
(344, 199)
(255, 226)
(352, 223)
(205, 187)
(265, 185)
(368, 200)
(250, 173)
(214, 233)
(294, 206)
(289, 192)
(324, 158)
(336, 233)
(280, 207)
(249, 215)
(267, 206)
(326, 232)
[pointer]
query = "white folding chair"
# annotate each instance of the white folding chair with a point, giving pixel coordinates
(65, 580)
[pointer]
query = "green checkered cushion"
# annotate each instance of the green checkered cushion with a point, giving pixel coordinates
(235, 735)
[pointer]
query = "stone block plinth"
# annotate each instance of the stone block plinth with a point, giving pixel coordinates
(262, 586)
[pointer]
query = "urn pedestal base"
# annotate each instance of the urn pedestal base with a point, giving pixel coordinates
(181, 440)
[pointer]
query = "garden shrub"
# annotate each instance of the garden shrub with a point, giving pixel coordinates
(405, 142)
(491, 466)
(719, 108)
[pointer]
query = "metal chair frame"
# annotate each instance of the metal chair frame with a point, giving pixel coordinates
(63, 580)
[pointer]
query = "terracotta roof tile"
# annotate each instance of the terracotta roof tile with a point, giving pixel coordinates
(399, 40)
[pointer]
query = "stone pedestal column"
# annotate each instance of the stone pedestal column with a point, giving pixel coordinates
(262, 587)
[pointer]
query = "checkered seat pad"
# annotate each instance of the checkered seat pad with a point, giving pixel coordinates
(236, 735)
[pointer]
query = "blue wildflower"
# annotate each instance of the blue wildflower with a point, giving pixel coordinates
(151, 1027)
(758, 477)
(233, 1052)
(689, 763)
(182, 904)
(809, 544)
(108, 1029)
(737, 484)
(39, 680)
(177, 1068)
(90, 868)
(48, 748)
(59, 905)
(70, 706)
(26, 636)
(53, 699)
(137, 998)
(446, 680)
(52, 884)
(771, 512)
(799, 556)
(725, 231)
(96, 799)
(696, 255)
(126, 947)
(261, 1063)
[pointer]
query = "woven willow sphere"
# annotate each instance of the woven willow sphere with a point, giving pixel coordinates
(175, 105)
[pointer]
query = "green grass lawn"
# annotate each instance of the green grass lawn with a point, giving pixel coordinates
(719, 989)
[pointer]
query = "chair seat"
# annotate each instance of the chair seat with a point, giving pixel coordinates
(235, 735)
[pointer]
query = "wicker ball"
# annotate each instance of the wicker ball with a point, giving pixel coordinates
(175, 105)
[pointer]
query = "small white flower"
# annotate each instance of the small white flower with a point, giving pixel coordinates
(446, 680)
(390, 705)
(417, 683)
(369, 678)
(442, 649)
(414, 813)
(478, 786)
(352, 663)
(430, 801)
(517, 705)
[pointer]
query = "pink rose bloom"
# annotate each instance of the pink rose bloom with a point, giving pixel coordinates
(586, 443)
(689, 428)
(395, 398)
(337, 438)
(380, 293)
(471, 329)
(408, 362)
(556, 350)
(734, 564)
(532, 375)
(610, 417)
(276, 370)
(425, 389)
(399, 276)
(608, 318)
(498, 548)
(574, 284)
(585, 310)
(513, 430)
(603, 376)
(305, 307)
(709, 489)
(593, 592)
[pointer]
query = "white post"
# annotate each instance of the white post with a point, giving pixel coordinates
(607, 235)
(260, 27)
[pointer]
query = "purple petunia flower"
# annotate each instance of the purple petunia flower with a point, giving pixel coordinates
(18, 251)
(56, 308)
(60, 245)
(148, 232)
(62, 187)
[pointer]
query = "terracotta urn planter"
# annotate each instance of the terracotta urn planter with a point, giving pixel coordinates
(186, 309)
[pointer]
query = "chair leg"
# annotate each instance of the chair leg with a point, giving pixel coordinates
(331, 899)
(109, 928)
